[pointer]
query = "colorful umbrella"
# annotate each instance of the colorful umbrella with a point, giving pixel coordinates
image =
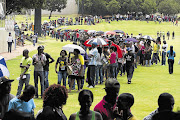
(131, 39)
(110, 33)
(99, 40)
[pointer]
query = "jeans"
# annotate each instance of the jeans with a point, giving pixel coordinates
(21, 82)
(62, 75)
(163, 58)
(155, 58)
(91, 74)
(9, 46)
(69, 81)
(112, 70)
(129, 70)
(99, 73)
(171, 63)
(41, 75)
(34, 42)
(46, 82)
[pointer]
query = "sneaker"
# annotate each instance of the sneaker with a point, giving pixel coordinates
(129, 82)
(91, 86)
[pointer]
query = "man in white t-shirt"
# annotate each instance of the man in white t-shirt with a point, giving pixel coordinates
(9, 41)
(164, 50)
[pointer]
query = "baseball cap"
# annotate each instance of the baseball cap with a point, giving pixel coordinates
(40, 47)
(94, 43)
(5, 79)
(112, 83)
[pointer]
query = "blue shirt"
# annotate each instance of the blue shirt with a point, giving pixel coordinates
(171, 56)
(21, 105)
(93, 58)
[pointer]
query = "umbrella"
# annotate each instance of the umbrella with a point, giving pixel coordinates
(99, 40)
(52, 27)
(71, 47)
(45, 21)
(110, 33)
(147, 37)
(3, 68)
(131, 39)
(91, 31)
(119, 31)
(138, 36)
(100, 32)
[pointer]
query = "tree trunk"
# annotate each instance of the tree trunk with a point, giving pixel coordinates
(82, 8)
(37, 21)
(50, 15)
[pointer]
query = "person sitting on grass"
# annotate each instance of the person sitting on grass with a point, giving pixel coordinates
(85, 100)
(106, 106)
(24, 102)
(165, 102)
(54, 97)
(124, 103)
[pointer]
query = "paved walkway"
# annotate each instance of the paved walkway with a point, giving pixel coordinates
(17, 52)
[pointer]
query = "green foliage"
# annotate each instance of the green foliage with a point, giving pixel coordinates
(53, 5)
(169, 7)
(149, 6)
(113, 7)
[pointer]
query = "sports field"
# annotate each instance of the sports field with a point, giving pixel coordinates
(147, 83)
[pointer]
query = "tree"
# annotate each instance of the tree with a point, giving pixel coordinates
(169, 7)
(53, 5)
(149, 6)
(113, 7)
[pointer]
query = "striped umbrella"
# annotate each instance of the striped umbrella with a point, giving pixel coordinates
(99, 40)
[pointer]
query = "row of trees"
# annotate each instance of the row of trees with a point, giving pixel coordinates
(102, 7)
(51, 5)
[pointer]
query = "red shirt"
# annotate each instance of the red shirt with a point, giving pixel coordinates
(113, 58)
(77, 35)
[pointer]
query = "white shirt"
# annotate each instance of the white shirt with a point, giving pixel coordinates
(10, 39)
(164, 47)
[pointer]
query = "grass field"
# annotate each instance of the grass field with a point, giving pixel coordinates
(147, 83)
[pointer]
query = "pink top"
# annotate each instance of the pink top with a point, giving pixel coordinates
(113, 58)
(142, 49)
(105, 109)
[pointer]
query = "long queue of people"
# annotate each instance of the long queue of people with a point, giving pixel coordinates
(112, 107)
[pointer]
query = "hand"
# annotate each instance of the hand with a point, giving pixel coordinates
(56, 71)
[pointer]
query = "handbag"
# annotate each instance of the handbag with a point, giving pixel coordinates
(69, 70)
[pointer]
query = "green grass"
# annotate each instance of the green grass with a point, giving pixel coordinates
(147, 83)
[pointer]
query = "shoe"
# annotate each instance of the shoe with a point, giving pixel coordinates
(91, 86)
(129, 82)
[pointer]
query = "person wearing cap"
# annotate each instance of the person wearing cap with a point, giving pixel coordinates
(5, 96)
(107, 105)
(93, 55)
(39, 60)
(129, 57)
(165, 103)
(26, 62)
(10, 41)
(85, 99)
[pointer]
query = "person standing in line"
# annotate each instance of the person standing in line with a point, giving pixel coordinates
(46, 68)
(62, 73)
(112, 66)
(10, 41)
(39, 61)
(22, 38)
(26, 62)
(99, 66)
(34, 39)
(173, 35)
(129, 57)
(93, 54)
(107, 105)
(5, 96)
(171, 54)
(85, 99)
(168, 35)
(164, 50)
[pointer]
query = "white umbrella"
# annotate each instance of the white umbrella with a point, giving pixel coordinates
(52, 27)
(45, 21)
(71, 47)
(147, 37)
(98, 40)
(91, 31)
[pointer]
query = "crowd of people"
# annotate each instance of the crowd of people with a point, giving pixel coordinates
(112, 107)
